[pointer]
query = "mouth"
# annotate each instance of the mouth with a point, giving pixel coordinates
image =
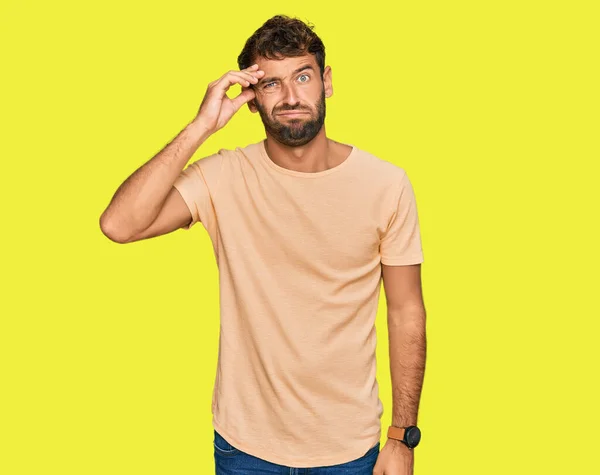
(293, 113)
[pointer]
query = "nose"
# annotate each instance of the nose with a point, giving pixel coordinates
(290, 95)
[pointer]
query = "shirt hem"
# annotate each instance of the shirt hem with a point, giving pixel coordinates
(401, 261)
(189, 202)
(340, 458)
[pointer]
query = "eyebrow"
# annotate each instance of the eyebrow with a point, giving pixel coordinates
(273, 78)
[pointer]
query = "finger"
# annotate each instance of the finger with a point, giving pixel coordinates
(245, 96)
(249, 77)
(231, 78)
(252, 77)
(226, 81)
(254, 70)
(251, 70)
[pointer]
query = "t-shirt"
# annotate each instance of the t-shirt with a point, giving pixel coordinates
(299, 258)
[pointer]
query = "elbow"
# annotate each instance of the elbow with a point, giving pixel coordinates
(112, 231)
(407, 317)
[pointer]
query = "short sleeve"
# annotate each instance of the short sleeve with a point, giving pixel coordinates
(401, 242)
(198, 185)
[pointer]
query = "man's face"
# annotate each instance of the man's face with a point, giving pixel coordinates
(290, 98)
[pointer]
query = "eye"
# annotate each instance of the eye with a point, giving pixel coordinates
(266, 86)
(304, 76)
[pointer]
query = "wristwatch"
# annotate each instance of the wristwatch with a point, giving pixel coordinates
(409, 436)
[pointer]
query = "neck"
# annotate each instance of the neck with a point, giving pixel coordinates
(313, 157)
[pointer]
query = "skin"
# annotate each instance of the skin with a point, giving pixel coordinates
(147, 205)
(406, 318)
(296, 142)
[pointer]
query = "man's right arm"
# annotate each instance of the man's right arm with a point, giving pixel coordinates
(147, 204)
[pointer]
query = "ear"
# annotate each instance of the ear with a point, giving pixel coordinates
(252, 106)
(327, 82)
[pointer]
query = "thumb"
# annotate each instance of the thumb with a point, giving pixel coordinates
(245, 96)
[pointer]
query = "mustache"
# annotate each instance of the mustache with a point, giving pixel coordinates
(291, 108)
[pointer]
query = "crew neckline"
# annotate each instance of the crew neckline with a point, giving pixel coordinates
(287, 171)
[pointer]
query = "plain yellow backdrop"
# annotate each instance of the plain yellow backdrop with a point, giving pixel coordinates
(108, 351)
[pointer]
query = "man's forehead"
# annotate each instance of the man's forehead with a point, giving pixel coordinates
(275, 67)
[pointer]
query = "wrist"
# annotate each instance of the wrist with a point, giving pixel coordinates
(409, 436)
(400, 446)
(199, 129)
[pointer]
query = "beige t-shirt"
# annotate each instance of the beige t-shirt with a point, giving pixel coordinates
(299, 257)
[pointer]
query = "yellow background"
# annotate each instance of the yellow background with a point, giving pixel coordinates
(108, 351)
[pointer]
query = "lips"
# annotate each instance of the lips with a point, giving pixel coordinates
(293, 113)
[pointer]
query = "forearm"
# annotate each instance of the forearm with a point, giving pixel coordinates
(407, 350)
(138, 200)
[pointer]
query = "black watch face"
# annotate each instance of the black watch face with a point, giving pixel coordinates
(413, 436)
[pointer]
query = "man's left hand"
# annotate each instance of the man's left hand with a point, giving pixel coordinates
(394, 458)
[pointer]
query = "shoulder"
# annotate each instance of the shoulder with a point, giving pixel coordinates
(380, 169)
(226, 158)
(236, 154)
(251, 149)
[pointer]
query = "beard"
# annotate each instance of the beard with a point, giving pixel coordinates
(295, 132)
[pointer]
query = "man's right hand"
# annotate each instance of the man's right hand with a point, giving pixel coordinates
(217, 108)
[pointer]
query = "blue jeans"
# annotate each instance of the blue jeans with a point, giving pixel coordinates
(232, 461)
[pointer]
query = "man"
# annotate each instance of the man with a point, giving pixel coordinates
(303, 229)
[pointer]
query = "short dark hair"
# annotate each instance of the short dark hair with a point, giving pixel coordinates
(282, 37)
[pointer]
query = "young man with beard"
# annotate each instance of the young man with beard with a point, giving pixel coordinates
(304, 229)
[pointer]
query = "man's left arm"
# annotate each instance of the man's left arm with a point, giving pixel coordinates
(407, 340)
(407, 351)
